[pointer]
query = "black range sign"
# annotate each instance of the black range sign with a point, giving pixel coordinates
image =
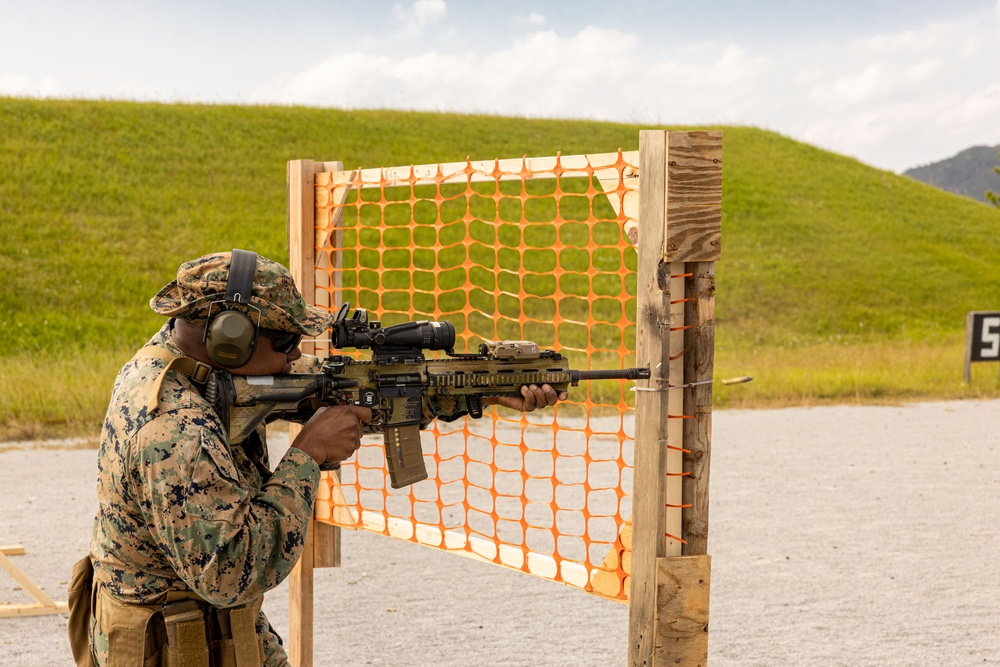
(985, 339)
(982, 338)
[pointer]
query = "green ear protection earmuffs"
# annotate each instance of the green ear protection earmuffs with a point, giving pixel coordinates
(230, 335)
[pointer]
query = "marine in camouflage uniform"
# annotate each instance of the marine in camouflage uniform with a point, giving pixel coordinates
(182, 508)
(183, 512)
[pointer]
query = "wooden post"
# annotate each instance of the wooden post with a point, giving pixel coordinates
(679, 234)
(653, 350)
(967, 371)
(699, 364)
(322, 548)
(300, 607)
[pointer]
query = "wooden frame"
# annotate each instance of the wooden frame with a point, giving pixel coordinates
(677, 199)
(679, 234)
(43, 603)
(322, 548)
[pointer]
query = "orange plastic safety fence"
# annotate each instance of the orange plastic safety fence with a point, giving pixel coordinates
(505, 250)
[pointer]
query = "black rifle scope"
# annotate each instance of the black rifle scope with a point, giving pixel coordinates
(358, 332)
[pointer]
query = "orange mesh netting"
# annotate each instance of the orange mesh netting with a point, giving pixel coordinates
(526, 249)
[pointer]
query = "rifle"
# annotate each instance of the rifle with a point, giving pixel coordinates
(404, 389)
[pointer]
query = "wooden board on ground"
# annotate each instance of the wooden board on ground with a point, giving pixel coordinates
(43, 603)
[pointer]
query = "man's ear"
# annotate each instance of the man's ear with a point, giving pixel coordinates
(189, 337)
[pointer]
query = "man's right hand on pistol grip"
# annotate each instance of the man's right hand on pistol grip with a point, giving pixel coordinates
(333, 434)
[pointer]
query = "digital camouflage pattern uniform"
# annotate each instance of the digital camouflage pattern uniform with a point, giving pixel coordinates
(180, 507)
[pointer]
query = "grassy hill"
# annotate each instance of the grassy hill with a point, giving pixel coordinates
(838, 281)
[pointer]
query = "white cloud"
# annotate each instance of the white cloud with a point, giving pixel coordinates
(932, 37)
(14, 83)
(421, 13)
(596, 73)
(17, 84)
(898, 99)
(427, 11)
(980, 106)
(853, 89)
(535, 18)
(913, 95)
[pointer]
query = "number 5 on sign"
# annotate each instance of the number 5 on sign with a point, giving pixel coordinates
(982, 339)
(991, 338)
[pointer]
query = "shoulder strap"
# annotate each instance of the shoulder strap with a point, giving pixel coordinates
(198, 371)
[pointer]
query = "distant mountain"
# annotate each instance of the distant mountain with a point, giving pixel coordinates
(969, 173)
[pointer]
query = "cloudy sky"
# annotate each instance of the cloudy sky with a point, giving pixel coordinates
(895, 83)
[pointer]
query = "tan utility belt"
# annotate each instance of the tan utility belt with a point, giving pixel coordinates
(185, 631)
(182, 631)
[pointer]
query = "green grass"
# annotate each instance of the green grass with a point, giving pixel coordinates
(877, 372)
(839, 282)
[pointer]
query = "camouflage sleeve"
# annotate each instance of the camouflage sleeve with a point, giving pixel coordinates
(225, 540)
(274, 652)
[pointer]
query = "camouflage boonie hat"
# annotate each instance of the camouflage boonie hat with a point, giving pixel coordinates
(202, 281)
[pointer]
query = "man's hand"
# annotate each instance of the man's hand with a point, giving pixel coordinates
(333, 434)
(532, 397)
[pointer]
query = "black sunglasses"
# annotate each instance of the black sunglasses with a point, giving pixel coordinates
(284, 341)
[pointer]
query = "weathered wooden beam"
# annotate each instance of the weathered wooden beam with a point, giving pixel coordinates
(649, 541)
(679, 234)
(326, 544)
(301, 226)
(682, 602)
(322, 548)
(301, 607)
(507, 169)
(699, 366)
(676, 417)
(693, 196)
(22, 610)
(43, 603)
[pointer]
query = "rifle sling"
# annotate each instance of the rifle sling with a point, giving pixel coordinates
(198, 371)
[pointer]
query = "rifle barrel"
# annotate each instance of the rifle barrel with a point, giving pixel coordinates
(623, 374)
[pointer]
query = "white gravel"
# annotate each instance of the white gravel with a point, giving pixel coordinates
(839, 536)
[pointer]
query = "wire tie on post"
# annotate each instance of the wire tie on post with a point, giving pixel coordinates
(680, 386)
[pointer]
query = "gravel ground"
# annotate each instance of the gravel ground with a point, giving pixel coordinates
(839, 536)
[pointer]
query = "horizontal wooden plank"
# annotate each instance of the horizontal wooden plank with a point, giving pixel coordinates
(694, 169)
(508, 169)
(694, 234)
(22, 610)
(694, 197)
